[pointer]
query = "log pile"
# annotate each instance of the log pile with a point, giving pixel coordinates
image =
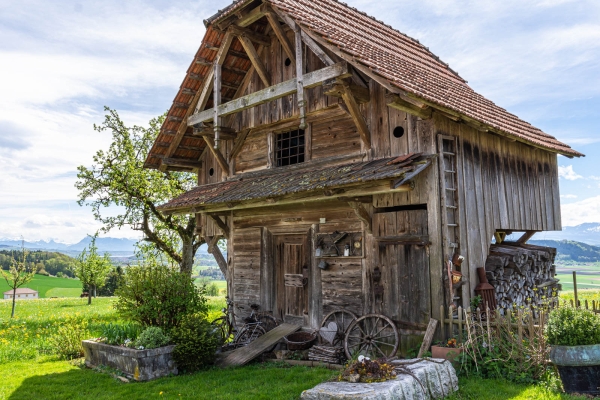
(327, 354)
(522, 274)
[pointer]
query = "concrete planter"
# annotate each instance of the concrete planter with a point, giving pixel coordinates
(579, 368)
(140, 365)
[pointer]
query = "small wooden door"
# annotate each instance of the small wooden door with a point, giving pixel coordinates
(403, 258)
(290, 271)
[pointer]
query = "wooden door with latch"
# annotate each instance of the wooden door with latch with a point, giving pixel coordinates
(401, 289)
(291, 274)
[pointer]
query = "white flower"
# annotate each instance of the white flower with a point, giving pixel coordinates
(361, 358)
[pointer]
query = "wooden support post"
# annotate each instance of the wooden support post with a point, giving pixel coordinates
(237, 145)
(357, 117)
(398, 103)
(285, 43)
(217, 153)
(362, 214)
(217, 102)
(214, 249)
(219, 222)
(526, 236)
(299, 79)
(255, 59)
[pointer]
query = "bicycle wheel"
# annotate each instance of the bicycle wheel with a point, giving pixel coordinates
(248, 333)
(224, 328)
(267, 321)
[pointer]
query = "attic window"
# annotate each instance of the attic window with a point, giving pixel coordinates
(289, 148)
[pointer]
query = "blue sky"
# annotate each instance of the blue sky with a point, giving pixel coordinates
(62, 61)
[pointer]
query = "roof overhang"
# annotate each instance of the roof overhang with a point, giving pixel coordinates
(303, 183)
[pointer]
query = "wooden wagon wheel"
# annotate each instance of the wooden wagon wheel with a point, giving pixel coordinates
(373, 336)
(343, 319)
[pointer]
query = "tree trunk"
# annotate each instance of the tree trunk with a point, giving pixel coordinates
(187, 256)
(89, 295)
(12, 314)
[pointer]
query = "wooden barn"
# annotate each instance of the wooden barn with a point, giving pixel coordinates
(345, 164)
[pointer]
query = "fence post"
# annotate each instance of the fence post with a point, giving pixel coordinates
(460, 323)
(520, 326)
(575, 288)
(443, 321)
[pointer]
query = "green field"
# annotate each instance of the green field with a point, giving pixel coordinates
(588, 274)
(49, 286)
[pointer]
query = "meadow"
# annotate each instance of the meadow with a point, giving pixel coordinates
(50, 286)
(30, 369)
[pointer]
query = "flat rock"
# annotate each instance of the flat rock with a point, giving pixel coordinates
(437, 380)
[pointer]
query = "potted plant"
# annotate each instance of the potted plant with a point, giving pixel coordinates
(447, 350)
(574, 337)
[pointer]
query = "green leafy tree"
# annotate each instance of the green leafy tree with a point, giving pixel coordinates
(118, 178)
(92, 269)
(19, 273)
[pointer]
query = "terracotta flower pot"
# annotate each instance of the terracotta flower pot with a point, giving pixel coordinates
(447, 353)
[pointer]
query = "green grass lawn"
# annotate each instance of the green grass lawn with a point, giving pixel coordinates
(47, 285)
(493, 389)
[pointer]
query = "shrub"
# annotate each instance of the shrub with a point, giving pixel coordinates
(118, 334)
(196, 343)
(212, 289)
(573, 327)
(156, 295)
(152, 338)
(66, 341)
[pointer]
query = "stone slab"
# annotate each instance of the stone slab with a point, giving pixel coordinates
(140, 365)
(438, 380)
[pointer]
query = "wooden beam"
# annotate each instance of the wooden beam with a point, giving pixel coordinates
(362, 214)
(360, 93)
(256, 61)
(300, 79)
(394, 101)
(238, 144)
(217, 153)
(286, 88)
(246, 19)
(310, 43)
(219, 222)
(175, 162)
(216, 252)
(226, 133)
(217, 102)
(253, 36)
(283, 39)
(526, 236)
(357, 117)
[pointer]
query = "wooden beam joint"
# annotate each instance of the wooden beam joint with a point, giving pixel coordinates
(362, 214)
(395, 101)
(222, 225)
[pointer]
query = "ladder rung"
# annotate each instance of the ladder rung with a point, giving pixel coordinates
(452, 189)
(450, 172)
(453, 225)
(448, 153)
(447, 206)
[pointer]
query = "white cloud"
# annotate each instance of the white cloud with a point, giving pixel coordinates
(568, 173)
(587, 210)
(568, 196)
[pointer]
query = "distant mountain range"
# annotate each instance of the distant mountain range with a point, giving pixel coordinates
(106, 244)
(586, 233)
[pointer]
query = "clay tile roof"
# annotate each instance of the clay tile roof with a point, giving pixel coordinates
(408, 65)
(298, 178)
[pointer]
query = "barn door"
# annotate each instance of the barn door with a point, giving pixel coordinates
(292, 277)
(403, 262)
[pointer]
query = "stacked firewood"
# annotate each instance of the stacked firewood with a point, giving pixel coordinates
(327, 354)
(522, 274)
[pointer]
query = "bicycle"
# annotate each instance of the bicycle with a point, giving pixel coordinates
(255, 325)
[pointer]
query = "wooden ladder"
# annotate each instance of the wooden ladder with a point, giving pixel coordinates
(447, 151)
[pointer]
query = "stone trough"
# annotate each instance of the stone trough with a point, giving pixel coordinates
(437, 380)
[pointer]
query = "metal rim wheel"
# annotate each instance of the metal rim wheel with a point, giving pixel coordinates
(224, 329)
(343, 319)
(249, 333)
(268, 321)
(373, 336)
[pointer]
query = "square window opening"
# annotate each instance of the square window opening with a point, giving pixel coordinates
(289, 148)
